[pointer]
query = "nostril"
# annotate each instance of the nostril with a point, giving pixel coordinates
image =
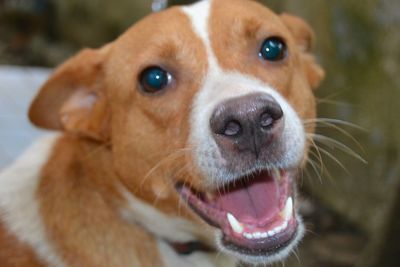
(266, 120)
(232, 128)
(276, 111)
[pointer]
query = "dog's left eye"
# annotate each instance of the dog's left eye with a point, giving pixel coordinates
(154, 79)
(273, 49)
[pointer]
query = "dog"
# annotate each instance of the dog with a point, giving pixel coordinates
(178, 144)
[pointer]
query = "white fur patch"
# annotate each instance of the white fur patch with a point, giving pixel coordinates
(173, 230)
(158, 223)
(18, 204)
(199, 259)
(199, 14)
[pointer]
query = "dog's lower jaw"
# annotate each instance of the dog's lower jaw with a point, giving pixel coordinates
(266, 236)
(279, 255)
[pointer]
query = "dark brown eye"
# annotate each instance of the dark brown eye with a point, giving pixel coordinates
(154, 79)
(273, 49)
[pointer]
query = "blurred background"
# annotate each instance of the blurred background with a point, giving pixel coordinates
(351, 187)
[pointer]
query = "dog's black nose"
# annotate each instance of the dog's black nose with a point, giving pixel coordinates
(248, 123)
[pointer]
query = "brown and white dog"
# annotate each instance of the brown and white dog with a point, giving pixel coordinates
(180, 140)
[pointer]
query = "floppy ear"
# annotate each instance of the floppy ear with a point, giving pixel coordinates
(74, 99)
(305, 38)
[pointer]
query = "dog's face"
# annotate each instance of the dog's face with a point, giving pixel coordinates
(204, 105)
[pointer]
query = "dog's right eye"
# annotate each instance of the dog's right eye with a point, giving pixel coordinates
(273, 49)
(154, 79)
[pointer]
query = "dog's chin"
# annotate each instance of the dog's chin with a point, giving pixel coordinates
(255, 215)
(260, 256)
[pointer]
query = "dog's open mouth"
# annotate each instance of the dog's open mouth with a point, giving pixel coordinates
(255, 213)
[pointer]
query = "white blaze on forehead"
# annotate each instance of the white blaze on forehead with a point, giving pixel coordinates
(199, 14)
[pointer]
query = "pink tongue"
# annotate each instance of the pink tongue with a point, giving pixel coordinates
(253, 201)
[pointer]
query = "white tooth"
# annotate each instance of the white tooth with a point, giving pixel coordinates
(235, 224)
(285, 225)
(271, 233)
(257, 235)
(264, 235)
(247, 235)
(250, 236)
(287, 212)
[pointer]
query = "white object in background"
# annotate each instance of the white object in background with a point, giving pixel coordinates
(159, 5)
(18, 86)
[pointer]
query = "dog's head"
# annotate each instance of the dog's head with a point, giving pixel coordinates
(202, 104)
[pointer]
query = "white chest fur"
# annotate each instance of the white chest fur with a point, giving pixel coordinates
(19, 209)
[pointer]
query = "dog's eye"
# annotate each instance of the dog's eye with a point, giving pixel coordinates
(154, 79)
(273, 49)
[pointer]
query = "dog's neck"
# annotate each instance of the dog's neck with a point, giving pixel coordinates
(91, 183)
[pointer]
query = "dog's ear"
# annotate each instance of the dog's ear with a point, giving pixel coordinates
(74, 99)
(305, 38)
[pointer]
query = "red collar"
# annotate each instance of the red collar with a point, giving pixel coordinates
(190, 247)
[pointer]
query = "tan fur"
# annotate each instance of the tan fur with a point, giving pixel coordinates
(79, 204)
(14, 253)
(117, 136)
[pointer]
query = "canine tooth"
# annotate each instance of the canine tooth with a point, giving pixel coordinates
(285, 225)
(287, 212)
(235, 224)
(277, 175)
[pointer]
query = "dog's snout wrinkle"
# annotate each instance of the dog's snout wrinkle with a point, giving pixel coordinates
(247, 123)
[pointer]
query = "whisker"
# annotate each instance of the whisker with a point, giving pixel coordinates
(344, 132)
(308, 175)
(335, 121)
(314, 167)
(295, 253)
(312, 232)
(330, 141)
(336, 160)
(330, 96)
(327, 173)
(301, 177)
(178, 153)
(320, 164)
(333, 102)
(317, 154)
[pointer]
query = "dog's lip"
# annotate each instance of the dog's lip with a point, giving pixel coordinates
(252, 237)
(264, 246)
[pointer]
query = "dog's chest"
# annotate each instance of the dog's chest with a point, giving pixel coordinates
(198, 259)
